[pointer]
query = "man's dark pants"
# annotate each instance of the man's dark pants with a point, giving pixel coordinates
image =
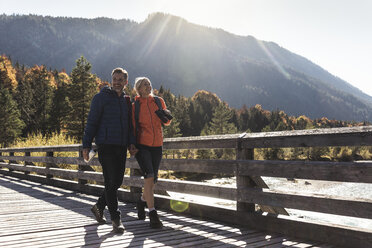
(112, 159)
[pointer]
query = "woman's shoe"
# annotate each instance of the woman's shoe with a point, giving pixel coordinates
(154, 220)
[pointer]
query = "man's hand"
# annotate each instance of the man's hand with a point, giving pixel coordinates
(132, 150)
(86, 154)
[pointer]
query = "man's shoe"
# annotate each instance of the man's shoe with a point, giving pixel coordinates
(141, 210)
(117, 226)
(154, 220)
(98, 213)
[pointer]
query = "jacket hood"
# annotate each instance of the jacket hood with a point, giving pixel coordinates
(106, 89)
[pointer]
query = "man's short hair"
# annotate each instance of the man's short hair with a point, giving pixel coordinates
(120, 70)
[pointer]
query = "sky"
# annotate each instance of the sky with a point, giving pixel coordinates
(334, 34)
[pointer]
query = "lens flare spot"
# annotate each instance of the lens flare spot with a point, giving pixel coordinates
(179, 206)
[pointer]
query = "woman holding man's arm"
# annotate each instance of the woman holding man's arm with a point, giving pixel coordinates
(149, 135)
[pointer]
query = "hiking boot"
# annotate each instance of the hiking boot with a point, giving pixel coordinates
(154, 220)
(141, 210)
(98, 213)
(117, 226)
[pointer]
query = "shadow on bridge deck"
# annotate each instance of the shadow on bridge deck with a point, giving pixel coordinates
(36, 215)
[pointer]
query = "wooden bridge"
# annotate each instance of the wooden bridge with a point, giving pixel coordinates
(43, 204)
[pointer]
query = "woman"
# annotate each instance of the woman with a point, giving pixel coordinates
(149, 135)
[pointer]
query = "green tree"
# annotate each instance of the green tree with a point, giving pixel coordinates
(44, 94)
(258, 118)
(202, 106)
(10, 123)
(25, 99)
(220, 123)
(172, 130)
(243, 118)
(182, 114)
(61, 106)
(34, 97)
(84, 85)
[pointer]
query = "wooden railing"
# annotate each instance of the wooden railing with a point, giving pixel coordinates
(250, 190)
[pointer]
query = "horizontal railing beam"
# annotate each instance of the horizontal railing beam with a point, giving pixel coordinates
(344, 136)
(361, 208)
(359, 172)
(202, 142)
(54, 160)
(62, 148)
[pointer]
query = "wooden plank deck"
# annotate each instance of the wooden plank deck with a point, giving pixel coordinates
(36, 215)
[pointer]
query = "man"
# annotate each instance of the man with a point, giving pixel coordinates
(109, 122)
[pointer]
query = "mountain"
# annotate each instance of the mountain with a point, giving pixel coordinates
(186, 57)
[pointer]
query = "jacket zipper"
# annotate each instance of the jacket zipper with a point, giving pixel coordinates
(121, 122)
(153, 130)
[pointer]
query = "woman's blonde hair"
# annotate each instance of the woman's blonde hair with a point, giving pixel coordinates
(138, 83)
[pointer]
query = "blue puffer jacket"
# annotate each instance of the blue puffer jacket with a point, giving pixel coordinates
(108, 120)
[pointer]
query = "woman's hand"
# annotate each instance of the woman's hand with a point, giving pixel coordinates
(132, 150)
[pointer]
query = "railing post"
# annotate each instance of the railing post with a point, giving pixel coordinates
(243, 181)
(11, 161)
(28, 154)
(1, 154)
(82, 167)
(251, 182)
(49, 165)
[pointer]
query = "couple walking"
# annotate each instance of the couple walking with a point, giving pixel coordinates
(117, 125)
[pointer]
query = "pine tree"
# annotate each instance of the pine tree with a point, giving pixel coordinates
(243, 118)
(182, 114)
(10, 123)
(83, 87)
(220, 123)
(25, 99)
(61, 106)
(172, 130)
(258, 118)
(34, 97)
(44, 94)
(201, 110)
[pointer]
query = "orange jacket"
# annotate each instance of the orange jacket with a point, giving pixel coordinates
(150, 132)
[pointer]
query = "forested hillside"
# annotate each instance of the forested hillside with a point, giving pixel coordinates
(40, 100)
(185, 58)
